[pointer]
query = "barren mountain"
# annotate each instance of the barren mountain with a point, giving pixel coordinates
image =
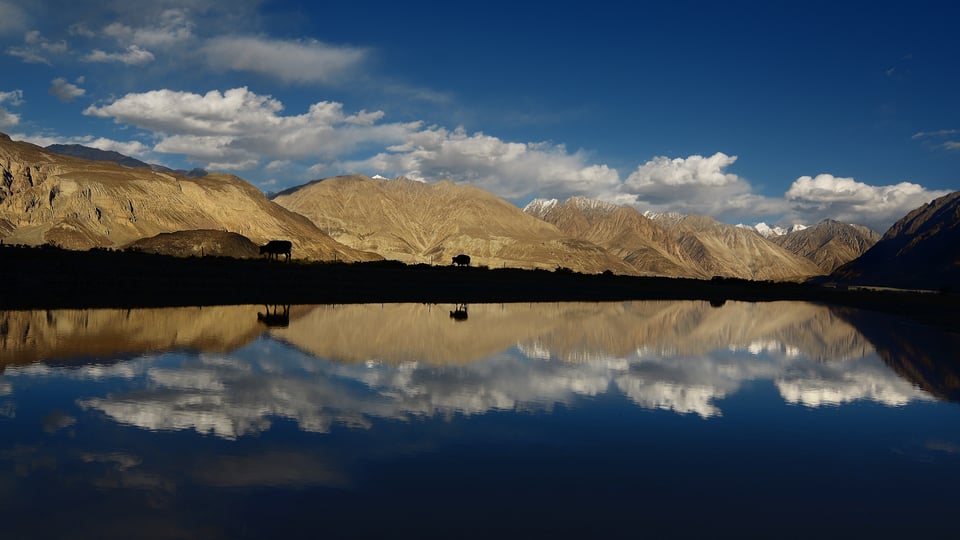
(829, 243)
(922, 250)
(623, 231)
(726, 250)
(79, 204)
(198, 244)
(416, 222)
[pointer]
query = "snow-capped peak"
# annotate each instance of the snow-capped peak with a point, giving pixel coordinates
(669, 217)
(587, 204)
(767, 231)
(378, 177)
(540, 207)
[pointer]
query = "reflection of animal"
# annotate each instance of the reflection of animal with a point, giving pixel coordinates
(460, 313)
(461, 260)
(276, 319)
(275, 248)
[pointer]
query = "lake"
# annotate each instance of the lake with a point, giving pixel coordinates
(628, 419)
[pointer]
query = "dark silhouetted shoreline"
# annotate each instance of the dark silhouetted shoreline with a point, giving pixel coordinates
(50, 278)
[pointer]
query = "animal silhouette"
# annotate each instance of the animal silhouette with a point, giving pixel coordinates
(459, 313)
(461, 260)
(275, 318)
(275, 248)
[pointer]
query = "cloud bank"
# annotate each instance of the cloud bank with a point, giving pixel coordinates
(241, 130)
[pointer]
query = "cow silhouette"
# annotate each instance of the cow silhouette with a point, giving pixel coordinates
(275, 318)
(275, 248)
(461, 260)
(459, 313)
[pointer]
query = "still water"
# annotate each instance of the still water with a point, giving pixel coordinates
(636, 419)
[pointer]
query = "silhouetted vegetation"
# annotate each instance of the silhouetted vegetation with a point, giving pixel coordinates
(48, 277)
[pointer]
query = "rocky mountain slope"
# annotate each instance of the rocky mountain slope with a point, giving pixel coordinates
(79, 204)
(416, 222)
(624, 232)
(829, 244)
(95, 154)
(922, 250)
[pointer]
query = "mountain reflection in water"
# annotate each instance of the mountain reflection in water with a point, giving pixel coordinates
(405, 360)
(231, 421)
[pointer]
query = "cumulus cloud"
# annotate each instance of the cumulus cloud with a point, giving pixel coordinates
(288, 61)
(695, 184)
(845, 199)
(129, 148)
(13, 98)
(132, 56)
(509, 169)
(65, 91)
(237, 126)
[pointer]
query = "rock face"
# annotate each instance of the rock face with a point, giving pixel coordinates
(922, 250)
(204, 243)
(624, 232)
(431, 223)
(79, 204)
(829, 244)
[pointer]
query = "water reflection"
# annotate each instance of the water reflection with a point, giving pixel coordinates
(212, 422)
(346, 365)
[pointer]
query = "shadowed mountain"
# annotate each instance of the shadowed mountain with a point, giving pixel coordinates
(78, 204)
(624, 232)
(925, 356)
(921, 251)
(95, 154)
(829, 244)
(725, 250)
(198, 244)
(415, 222)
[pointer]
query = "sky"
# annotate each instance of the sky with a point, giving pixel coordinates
(776, 111)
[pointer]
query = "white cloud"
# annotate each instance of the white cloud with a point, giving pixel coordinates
(234, 166)
(509, 169)
(133, 56)
(7, 118)
(693, 170)
(938, 133)
(952, 145)
(289, 61)
(238, 125)
(845, 199)
(13, 97)
(171, 27)
(695, 184)
(65, 91)
(36, 47)
(128, 148)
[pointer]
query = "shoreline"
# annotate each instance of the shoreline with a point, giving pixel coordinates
(52, 278)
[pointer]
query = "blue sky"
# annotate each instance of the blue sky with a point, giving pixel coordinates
(748, 111)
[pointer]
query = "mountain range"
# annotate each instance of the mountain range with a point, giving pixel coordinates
(47, 197)
(74, 203)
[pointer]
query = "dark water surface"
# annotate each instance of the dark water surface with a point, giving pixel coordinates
(637, 419)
